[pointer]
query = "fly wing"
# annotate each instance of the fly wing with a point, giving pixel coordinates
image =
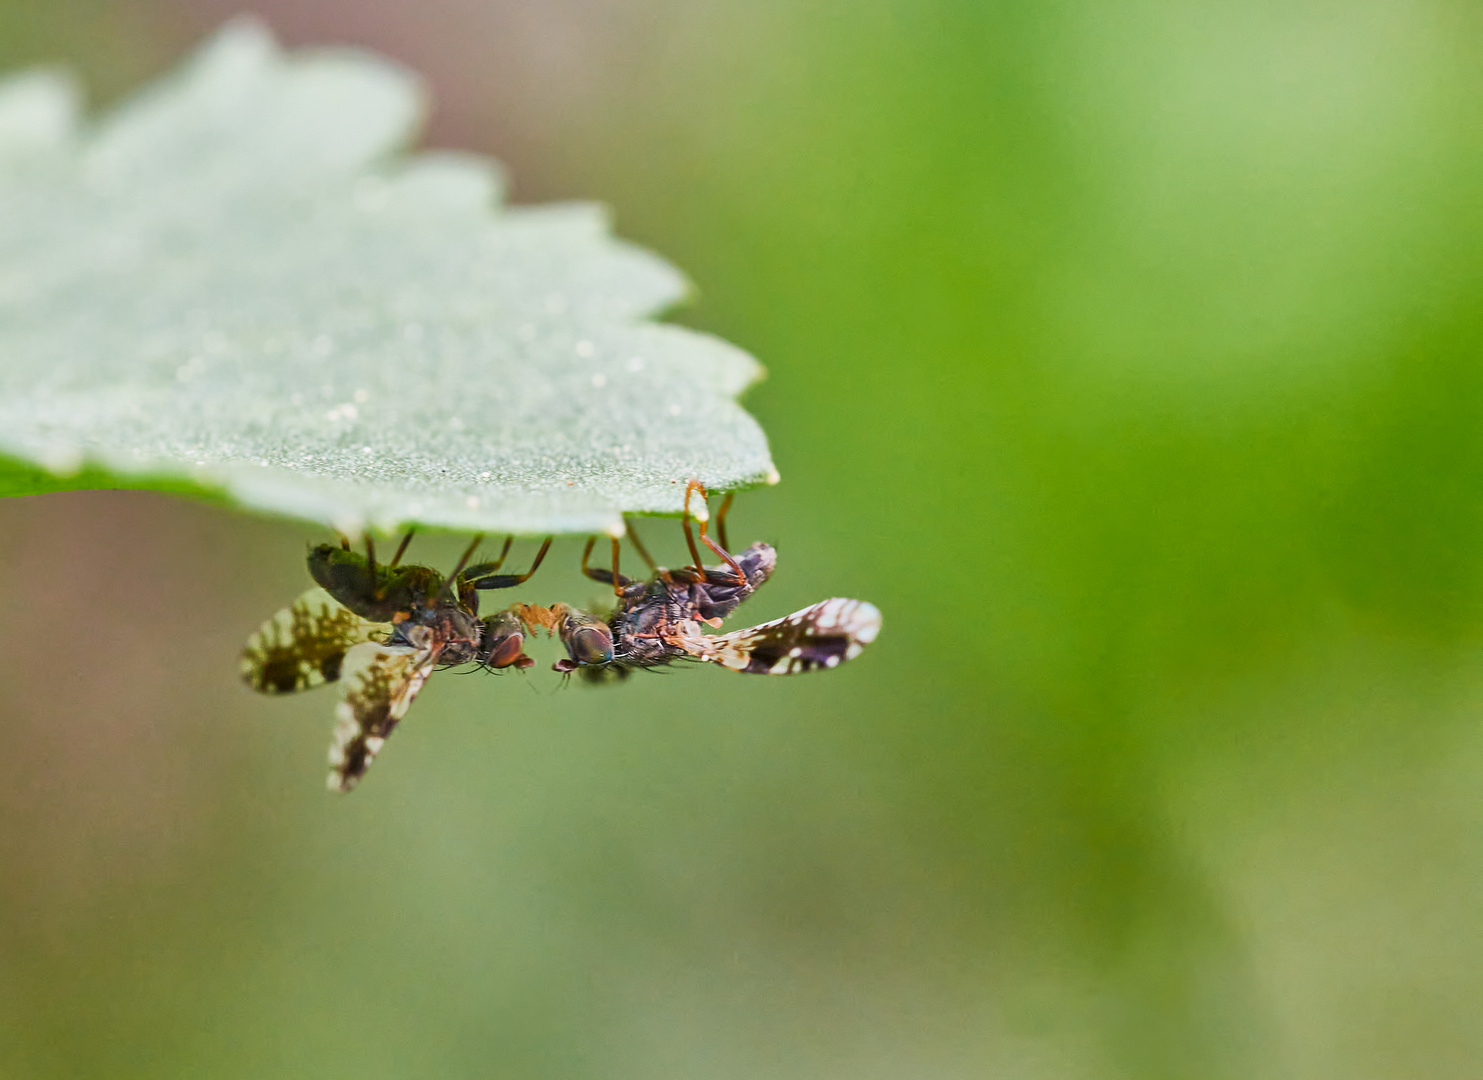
(304, 645)
(822, 636)
(380, 683)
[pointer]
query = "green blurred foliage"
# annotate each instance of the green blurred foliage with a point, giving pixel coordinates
(1127, 356)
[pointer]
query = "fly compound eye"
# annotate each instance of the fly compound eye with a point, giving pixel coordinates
(501, 641)
(590, 645)
(506, 652)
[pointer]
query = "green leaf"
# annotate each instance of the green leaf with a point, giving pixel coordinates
(235, 285)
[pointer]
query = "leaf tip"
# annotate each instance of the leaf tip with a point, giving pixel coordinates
(38, 108)
(243, 40)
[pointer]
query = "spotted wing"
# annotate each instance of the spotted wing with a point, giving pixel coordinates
(304, 645)
(380, 683)
(822, 636)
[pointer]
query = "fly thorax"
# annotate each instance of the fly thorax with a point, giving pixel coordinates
(454, 628)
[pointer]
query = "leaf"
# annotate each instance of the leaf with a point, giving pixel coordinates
(234, 285)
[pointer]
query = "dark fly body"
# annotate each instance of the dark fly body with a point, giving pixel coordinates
(660, 620)
(380, 631)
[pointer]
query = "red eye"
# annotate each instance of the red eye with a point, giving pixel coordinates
(507, 652)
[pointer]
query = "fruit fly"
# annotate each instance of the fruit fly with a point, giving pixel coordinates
(380, 631)
(659, 621)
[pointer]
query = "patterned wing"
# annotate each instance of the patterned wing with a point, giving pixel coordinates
(304, 645)
(380, 683)
(822, 636)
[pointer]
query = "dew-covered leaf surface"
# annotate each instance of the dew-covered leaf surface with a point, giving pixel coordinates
(237, 284)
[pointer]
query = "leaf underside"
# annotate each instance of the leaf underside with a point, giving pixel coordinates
(234, 285)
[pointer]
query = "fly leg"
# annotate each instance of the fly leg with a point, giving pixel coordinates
(487, 580)
(396, 560)
(615, 579)
(639, 547)
(738, 574)
(484, 569)
(693, 486)
(721, 519)
(452, 581)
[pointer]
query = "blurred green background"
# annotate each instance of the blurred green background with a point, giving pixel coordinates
(1127, 356)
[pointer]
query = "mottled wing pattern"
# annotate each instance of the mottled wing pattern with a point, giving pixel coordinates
(304, 645)
(380, 683)
(822, 636)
